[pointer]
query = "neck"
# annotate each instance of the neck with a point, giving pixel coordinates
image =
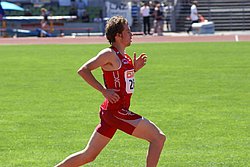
(120, 48)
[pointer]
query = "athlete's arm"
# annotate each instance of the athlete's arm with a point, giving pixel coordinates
(140, 61)
(101, 60)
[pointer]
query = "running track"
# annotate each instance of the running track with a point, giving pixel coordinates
(136, 39)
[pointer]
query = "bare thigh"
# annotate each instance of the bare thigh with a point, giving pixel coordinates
(147, 130)
(96, 143)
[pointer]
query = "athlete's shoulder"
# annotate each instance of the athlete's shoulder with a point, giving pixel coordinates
(107, 57)
(107, 52)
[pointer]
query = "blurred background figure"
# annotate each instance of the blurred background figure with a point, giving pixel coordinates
(2, 22)
(1, 12)
(46, 24)
(159, 19)
(194, 16)
(85, 17)
(168, 13)
(45, 20)
(145, 13)
(80, 8)
(73, 11)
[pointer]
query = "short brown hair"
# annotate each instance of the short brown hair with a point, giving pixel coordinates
(114, 25)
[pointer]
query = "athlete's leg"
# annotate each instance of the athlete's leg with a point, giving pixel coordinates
(149, 131)
(95, 145)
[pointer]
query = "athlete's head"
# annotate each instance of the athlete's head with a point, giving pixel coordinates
(115, 25)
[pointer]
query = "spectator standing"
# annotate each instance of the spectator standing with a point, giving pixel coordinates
(159, 18)
(145, 12)
(168, 13)
(151, 13)
(194, 16)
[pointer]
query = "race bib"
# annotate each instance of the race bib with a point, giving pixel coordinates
(130, 81)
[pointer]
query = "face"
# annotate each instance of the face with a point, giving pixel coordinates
(126, 35)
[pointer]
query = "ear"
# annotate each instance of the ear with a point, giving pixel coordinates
(118, 36)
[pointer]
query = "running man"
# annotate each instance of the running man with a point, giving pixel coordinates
(118, 72)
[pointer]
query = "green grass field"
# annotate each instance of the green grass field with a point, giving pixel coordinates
(197, 93)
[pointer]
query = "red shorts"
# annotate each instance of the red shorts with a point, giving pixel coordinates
(124, 120)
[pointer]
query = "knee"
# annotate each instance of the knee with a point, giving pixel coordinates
(160, 139)
(90, 158)
(87, 157)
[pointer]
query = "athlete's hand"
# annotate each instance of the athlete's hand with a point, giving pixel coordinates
(111, 95)
(140, 61)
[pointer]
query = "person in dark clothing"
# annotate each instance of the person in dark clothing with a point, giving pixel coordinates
(159, 20)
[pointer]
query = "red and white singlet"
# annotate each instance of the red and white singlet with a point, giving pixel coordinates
(117, 115)
(122, 81)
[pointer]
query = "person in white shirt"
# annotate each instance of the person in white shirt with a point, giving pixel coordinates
(194, 16)
(145, 12)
